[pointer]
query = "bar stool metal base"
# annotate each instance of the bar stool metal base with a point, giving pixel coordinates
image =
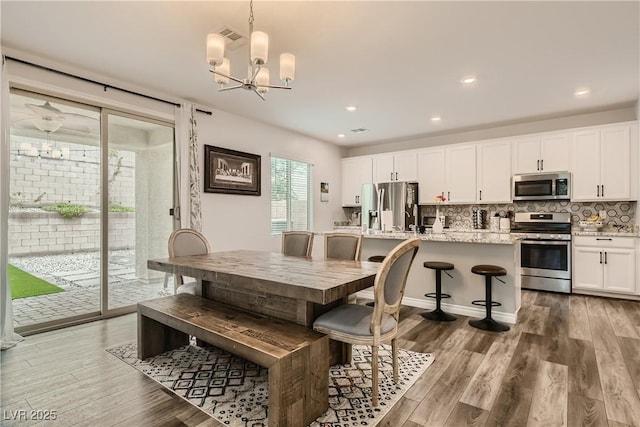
(489, 325)
(438, 315)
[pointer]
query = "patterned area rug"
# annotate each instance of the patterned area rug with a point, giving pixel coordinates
(235, 391)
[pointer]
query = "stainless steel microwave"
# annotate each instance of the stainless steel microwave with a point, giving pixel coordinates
(541, 186)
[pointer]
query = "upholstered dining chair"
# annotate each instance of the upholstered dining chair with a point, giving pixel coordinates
(343, 246)
(297, 243)
(185, 242)
(361, 324)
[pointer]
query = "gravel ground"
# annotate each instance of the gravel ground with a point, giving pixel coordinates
(53, 268)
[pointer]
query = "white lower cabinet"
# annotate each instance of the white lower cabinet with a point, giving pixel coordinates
(605, 264)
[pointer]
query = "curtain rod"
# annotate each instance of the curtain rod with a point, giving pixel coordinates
(104, 85)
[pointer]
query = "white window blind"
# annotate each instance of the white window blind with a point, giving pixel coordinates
(290, 195)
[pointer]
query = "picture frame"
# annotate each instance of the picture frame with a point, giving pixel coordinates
(231, 172)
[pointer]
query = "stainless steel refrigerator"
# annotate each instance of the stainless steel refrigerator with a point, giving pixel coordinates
(400, 198)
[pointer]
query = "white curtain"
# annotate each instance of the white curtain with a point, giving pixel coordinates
(8, 337)
(188, 162)
(195, 213)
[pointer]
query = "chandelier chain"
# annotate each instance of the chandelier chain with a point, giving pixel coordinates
(251, 12)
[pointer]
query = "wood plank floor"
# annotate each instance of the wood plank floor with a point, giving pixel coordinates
(570, 360)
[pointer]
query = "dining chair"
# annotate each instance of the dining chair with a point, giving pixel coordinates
(361, 324)
(345, 246)
(185, 242)
(297, 243)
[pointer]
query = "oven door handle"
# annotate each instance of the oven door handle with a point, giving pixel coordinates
(546, 242)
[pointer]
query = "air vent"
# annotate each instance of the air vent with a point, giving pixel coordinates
(232, 38)
(359, 130)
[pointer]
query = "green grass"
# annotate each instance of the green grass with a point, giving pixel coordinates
(25, 285)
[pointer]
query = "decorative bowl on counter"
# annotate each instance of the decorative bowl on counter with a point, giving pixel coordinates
(590, 225)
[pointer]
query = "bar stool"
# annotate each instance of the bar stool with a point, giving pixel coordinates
(488, 324)
(438, 314)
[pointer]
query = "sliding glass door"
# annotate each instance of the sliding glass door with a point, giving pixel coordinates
(90, 193)
(140, 194)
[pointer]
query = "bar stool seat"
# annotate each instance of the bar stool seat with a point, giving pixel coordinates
(488, 270)
(488, 324)
(437, 314)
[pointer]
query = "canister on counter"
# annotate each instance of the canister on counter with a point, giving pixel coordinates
(494, 224)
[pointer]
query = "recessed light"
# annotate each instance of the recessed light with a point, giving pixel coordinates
(341, 135)
(469, 80)
(436, 119)
(350, 108)
(582, 92)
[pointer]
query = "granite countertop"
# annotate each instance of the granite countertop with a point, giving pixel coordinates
(453, 235)
(608, 233)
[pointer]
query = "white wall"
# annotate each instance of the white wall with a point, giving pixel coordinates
(234, 221)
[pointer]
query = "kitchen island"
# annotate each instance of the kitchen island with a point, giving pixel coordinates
(464, 249)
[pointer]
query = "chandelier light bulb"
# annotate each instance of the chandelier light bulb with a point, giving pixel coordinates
(223, 68)
(259, 47)
(215, 49)
(262, 80)
(287, 67)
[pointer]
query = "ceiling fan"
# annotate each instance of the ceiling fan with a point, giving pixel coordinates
(48, 119)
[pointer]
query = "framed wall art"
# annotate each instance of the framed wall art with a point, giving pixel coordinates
(231, 172)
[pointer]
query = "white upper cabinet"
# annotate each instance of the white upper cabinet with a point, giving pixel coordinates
(494, 172)
(356, 171)
(601, 166)
(400, 166)
(461, 174)
(447, 171)
(431, 174)
(542, 153)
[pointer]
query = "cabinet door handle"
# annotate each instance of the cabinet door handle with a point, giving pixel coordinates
(542, 164)
(391, 175)
(600, 257)
(598, 188)
(602, 238)
(605, 257)
(537, 164)
(480, 194)
(449, 195)
(396, 176)
(602, 191)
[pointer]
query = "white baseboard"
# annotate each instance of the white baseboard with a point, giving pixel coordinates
(451, 308)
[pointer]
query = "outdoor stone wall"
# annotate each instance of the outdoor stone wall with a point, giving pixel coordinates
(47, 172)
(47, 233)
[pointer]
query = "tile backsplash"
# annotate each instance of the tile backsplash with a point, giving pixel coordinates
(619, 214)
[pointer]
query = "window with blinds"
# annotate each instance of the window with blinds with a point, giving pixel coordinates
(291, 195)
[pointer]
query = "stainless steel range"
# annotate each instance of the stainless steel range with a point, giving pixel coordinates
(545, 250)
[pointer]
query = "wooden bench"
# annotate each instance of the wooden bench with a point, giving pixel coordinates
(297, 357)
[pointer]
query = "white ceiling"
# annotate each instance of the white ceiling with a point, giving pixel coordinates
(399, 62)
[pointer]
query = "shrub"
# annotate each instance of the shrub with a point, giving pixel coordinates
(120, 208)
(68, 210)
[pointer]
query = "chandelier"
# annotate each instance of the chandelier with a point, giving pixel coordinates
(257, 79)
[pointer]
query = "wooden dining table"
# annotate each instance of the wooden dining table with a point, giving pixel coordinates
(296, 289)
